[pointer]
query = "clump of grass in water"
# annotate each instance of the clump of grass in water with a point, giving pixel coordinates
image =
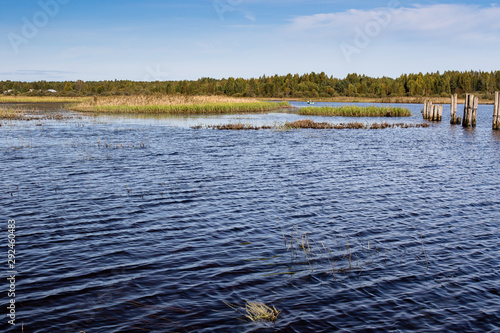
(257, 311)
(308, 123)
(356, 111)
(12, 114)
(174, 104)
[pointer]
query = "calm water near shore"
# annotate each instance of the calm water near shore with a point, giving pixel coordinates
(143, 224)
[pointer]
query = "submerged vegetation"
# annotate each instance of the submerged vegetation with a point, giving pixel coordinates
(356, 111)
(177, 104)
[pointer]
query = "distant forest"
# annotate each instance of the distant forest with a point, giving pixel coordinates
(311, 85)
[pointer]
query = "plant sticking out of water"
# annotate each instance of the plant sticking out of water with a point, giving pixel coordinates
(310, 124)
(304, 251)
(257, 311)
(356, 111)
(307, 123)
(12, 114)
(106, 145)
(173, 104)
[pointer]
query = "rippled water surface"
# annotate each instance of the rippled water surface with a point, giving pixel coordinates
(146, 225)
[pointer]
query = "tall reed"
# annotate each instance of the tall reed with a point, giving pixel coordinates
(356, 111)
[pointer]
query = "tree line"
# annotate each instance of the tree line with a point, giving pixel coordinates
(311, 85)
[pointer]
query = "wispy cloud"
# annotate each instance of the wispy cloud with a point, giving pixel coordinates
(52, 74)
(433, 21)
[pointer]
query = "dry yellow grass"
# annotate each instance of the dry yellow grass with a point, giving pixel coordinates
(160, 100)
(177, 104)
(41, 99)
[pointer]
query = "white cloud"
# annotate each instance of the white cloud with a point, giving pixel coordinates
(471, 22)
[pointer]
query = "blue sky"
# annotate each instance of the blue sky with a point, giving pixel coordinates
(174, 40)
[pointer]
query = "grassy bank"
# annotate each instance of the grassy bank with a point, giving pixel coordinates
(177, 104)
(42, 99)
(356, 111)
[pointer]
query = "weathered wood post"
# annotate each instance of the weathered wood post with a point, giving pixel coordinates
(453, 108)
(427, 113)
(475, 103)
(496, 111)
(466, 121)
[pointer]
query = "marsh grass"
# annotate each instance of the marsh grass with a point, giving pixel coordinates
(257, 311)
(42, 99)
(356, 111)
(13, 114)
(308, 123)
(177, 104)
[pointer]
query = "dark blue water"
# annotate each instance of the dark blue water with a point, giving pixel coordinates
(146, 225)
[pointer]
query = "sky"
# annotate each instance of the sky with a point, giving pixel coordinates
(149, 40)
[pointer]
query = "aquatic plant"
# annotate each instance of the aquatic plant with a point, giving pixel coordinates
(177, 104)
(356, 111)
(308, 123)
(12, 114)
(257, 311)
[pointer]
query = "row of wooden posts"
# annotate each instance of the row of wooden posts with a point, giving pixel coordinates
(435, 112)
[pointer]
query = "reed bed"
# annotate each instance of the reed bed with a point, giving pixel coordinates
(42, 99)
(356, 111)
(27, 114)
(177, 104)
(308, 123)
(12, 114)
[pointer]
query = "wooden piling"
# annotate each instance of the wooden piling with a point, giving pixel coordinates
(453, 109)
(475, 104)
(467, 111)
(496, 111)
(440, 113)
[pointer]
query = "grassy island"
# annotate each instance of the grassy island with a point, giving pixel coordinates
(177, 104)
(356, 111)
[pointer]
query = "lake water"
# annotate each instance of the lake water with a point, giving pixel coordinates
(143, 224)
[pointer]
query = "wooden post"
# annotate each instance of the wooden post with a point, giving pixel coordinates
(427, 110)
(440, 114)
(475, 104)
(467, 111)
(453, 108)
(496, 111)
